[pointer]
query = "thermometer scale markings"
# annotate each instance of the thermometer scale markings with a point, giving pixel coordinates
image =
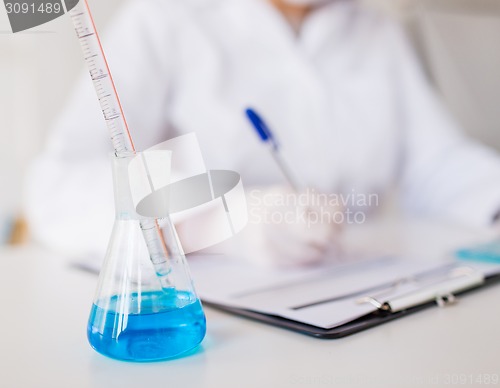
(97, 65)
(101, 77)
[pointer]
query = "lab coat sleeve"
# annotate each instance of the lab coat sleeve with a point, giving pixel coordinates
(69, 196)
(444, 173)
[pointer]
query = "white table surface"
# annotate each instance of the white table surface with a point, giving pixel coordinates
(45, 306)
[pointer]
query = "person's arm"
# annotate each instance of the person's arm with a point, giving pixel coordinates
(69, 201)
(444, 173)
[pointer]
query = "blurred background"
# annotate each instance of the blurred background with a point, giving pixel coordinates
(457, 40)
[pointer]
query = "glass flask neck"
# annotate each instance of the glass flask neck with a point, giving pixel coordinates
(124, 206)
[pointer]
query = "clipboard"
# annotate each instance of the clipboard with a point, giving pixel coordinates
(477, 276)
(441, 285)
(366, 322)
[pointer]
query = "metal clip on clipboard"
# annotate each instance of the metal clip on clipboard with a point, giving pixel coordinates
(443, 291)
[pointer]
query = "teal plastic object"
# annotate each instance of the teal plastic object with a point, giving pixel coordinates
(489, 252)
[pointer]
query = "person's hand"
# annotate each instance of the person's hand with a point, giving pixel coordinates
(287, 228)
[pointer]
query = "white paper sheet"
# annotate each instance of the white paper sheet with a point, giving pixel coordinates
(325, 296)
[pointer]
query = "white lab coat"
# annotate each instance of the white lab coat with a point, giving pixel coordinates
(346, 98)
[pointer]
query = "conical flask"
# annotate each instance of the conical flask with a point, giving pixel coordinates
(145, 307)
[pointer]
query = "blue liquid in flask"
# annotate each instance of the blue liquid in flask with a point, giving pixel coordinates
(162, 325)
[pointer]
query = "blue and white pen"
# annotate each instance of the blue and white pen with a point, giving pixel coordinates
(266, 136)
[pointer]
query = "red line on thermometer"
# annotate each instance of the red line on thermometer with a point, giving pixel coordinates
(109, 74)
